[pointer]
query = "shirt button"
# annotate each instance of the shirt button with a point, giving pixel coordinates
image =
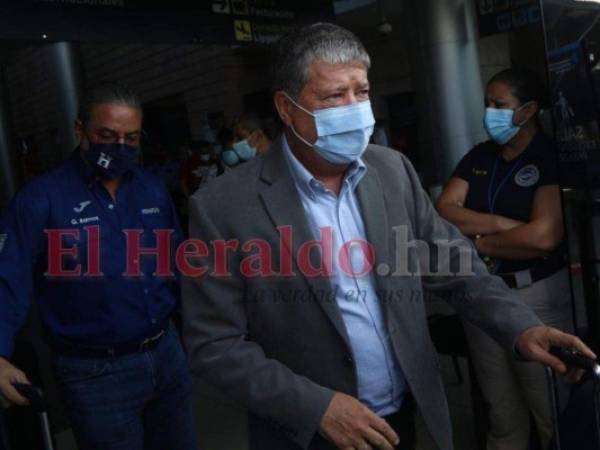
(111, 206)
(349, 361)
(146, 291)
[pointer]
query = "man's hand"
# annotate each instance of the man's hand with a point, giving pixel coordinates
(350, 425)
(535, 342)
(9, 374)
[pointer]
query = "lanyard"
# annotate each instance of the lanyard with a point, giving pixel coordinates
(493, 196)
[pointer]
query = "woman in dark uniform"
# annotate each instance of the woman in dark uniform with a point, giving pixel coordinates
(505, 195)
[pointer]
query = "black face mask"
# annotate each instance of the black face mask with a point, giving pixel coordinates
(111, 161)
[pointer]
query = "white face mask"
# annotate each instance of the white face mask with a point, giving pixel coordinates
(343, 132)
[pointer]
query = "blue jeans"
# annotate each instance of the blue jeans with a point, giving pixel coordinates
(141, 401)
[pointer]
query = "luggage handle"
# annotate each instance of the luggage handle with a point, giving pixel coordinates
(575, 359)
(33, 394)
(37, 401)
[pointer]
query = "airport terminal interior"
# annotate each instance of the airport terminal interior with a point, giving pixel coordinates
(202, 70)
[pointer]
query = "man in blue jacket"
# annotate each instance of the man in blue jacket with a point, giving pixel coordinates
(91, 242)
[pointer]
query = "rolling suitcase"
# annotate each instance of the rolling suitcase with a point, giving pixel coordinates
(583, 432)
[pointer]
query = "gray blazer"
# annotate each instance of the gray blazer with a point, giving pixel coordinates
(278, 345)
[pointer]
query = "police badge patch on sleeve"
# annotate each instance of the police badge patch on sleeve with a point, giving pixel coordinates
(3, 238)
(527, 176)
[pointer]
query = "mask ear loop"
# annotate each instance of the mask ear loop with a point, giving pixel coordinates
(519, 109)
(292, 126)
(297, 105)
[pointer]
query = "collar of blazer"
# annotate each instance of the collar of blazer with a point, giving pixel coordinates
(274, 164)
(284, 207)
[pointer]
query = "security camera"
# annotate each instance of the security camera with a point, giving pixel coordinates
(384, 28)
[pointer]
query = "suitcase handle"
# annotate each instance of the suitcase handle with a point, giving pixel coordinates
(37, 401)
(34, 394)
(573, 358)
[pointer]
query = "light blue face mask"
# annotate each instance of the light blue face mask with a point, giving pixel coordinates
(343, 132)
(230, 157)
(244, 150)
(499, 124)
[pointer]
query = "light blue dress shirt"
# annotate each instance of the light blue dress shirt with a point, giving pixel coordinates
(381, 383)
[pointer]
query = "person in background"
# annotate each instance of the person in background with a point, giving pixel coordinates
(117, 356)
(505, 195)
(249, 140)
(202, 165)
(164, 164)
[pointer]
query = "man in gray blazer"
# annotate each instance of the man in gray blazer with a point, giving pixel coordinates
(304, 297)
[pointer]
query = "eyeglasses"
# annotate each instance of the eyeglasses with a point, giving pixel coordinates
(106, 136)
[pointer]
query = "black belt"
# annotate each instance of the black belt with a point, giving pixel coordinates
(536, 273)
(67, 348)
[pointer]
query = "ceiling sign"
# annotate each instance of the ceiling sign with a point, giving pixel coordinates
(499, 16)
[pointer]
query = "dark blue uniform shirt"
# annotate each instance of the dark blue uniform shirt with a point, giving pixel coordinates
(111, 309)
(507, 188)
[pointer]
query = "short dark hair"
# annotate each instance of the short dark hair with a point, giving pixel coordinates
(524, 84)
(114, 93)
(249, 122)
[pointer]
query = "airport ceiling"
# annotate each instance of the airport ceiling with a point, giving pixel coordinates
(231, 22)
(155, 21)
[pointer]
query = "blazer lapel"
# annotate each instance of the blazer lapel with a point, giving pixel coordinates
(284, 207)
(373, 212)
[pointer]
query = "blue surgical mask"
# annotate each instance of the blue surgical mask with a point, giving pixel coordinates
(343, 132)
(244, 150)
(111, 161)
(230, 157)
(499, 124)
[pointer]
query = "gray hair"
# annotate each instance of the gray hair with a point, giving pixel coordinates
(294, 53)
(112, 93)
